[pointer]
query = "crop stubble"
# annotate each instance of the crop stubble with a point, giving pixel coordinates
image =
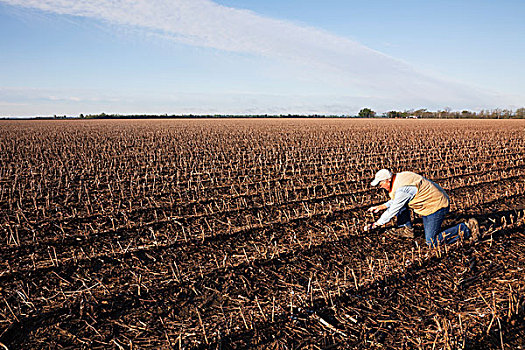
(233, 233)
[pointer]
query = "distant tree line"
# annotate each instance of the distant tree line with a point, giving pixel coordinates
(446, 113)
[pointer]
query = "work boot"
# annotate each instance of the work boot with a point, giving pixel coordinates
(473, 226)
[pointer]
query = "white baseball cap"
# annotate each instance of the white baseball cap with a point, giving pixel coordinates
(381, 175)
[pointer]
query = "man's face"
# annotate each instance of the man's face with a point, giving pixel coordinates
(385, 184)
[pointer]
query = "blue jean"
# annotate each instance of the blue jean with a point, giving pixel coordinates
(403, 217)
(432, 224)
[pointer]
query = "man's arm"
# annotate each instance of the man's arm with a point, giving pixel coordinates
(403, 195)
(380, 207)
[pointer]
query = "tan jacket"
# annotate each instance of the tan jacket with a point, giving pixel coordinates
(430, 196)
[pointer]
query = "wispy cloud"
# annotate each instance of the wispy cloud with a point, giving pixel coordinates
(344, 62)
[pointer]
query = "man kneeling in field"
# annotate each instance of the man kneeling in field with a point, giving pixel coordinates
(426, 198)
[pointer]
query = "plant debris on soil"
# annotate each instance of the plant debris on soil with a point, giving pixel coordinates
(248, 233)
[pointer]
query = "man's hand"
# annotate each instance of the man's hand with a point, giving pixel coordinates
(369, 227)
(376, 209)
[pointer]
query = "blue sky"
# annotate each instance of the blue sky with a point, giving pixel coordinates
(246, 56)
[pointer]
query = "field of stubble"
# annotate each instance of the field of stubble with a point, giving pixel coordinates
(228, 233)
